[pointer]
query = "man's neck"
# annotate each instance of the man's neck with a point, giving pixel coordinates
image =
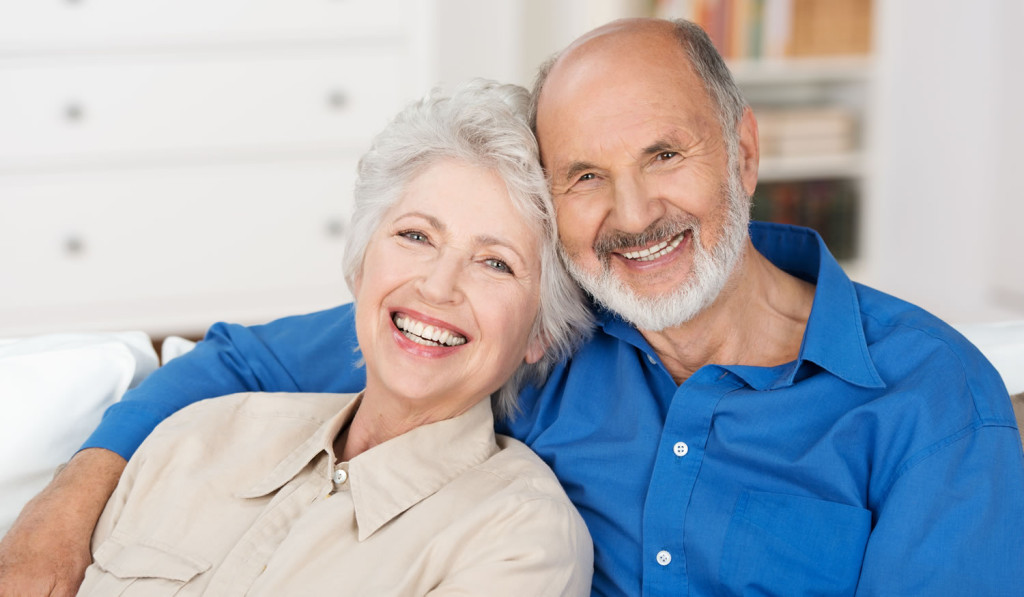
(758, 319)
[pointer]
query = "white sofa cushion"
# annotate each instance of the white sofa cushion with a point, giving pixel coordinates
(54, 389)
(1002, 343)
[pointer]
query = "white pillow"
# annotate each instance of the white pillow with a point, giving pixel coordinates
(173, 347)
(1002, 343)
(53, 391)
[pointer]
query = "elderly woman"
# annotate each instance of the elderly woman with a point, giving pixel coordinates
(403, 489)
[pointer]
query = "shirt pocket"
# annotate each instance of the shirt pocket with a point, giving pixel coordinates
(126, 568)
(790, 545)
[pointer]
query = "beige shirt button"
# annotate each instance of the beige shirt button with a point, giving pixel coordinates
(340, 476)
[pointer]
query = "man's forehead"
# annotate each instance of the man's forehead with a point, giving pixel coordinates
(614, 63)
(619, 34)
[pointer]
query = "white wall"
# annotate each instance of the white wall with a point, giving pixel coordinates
(940, 147)
(1008, 165)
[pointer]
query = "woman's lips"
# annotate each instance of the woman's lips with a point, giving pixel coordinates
(426, 334)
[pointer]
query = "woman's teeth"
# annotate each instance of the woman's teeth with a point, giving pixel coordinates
(654, 252)
(426, 334)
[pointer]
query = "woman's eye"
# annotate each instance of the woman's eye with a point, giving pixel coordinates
(498, 265)
(587, 176)
(414, 235)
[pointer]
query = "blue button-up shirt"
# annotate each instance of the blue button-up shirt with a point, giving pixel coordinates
(884, 460)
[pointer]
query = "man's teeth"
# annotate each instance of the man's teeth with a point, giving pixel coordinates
(654, 252)
(425, 334)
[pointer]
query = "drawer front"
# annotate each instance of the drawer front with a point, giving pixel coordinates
(222, 241)
(196, 106)
(27, 26)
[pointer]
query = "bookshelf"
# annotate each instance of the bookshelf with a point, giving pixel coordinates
(806, 70)
(938, 140)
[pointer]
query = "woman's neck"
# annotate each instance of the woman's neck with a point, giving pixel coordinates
(378, 419)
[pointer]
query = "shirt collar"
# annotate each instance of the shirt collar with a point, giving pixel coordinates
(391, 477)
(834, 338)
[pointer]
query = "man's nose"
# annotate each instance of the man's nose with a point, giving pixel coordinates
(635, 207)
(439, 281)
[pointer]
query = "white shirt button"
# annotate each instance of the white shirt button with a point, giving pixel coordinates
(340, 476)
(664, 557)
(680, 449)
(650, 357)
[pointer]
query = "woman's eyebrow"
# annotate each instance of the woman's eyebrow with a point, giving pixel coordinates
(479, 240)
(487, 240)
(433, 221)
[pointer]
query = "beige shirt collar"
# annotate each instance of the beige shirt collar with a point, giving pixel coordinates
(391, 477)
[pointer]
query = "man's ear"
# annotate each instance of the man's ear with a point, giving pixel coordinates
(748, 150)
(535, 349)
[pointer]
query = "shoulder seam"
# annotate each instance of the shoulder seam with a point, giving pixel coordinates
(930, 450)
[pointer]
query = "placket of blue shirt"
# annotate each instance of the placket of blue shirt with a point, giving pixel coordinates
(680, 454)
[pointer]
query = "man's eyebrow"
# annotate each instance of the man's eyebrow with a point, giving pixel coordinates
(575, 168)
(669, 143)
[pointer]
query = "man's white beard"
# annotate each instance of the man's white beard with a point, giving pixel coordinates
(709, 272)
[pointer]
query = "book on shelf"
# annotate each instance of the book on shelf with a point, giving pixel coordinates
(805, 130)
(828, 206)
(752, 29)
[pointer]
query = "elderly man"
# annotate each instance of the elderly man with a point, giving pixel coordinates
(745, 421)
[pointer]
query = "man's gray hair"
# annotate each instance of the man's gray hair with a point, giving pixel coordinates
(708, 65)
(483, 124)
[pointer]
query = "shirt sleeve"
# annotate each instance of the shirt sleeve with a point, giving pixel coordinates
(306, 353)
(952, 523)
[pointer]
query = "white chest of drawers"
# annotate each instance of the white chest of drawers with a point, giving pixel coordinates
(168, 164)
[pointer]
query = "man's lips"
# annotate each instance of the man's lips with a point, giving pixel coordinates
(426, 334)
(655, 251)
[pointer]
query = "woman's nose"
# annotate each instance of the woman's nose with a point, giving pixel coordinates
(439, 280)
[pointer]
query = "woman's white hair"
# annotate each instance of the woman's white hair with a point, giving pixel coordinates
(482, 123)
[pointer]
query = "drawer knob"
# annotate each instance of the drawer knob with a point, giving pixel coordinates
(338, 100)
(335, 228)
(74, 113)
(74, 246)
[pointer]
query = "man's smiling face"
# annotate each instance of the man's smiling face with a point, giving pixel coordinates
(652, 211)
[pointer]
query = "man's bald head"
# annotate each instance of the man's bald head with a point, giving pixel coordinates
(698, 55)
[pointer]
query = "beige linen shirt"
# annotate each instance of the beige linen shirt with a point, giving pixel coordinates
(240, 495)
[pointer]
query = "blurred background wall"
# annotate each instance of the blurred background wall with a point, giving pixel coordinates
(165, 164)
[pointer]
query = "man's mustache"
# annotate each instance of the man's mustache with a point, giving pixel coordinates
(659, 230)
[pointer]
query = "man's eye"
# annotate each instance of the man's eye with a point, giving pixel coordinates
(498, 265)
(667, 155)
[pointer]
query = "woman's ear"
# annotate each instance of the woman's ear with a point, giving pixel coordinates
(357, 281)
(535, 349)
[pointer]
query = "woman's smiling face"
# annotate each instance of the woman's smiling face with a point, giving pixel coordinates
(448, 292)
